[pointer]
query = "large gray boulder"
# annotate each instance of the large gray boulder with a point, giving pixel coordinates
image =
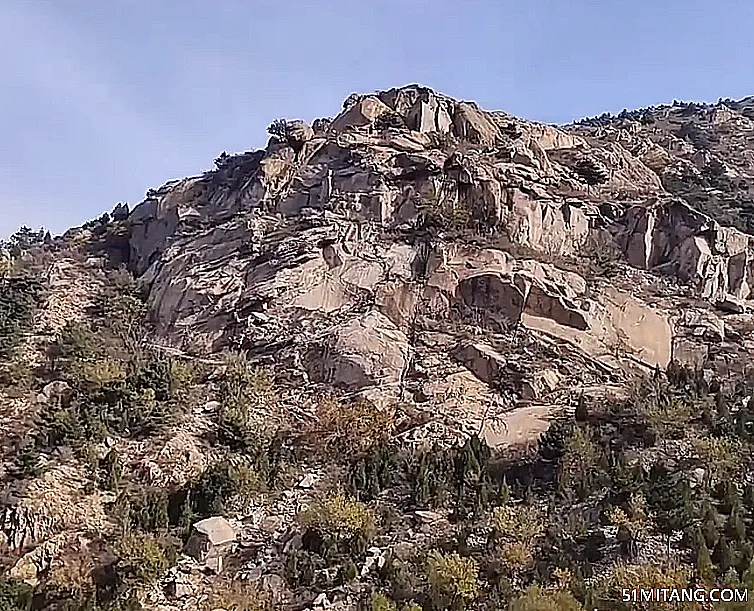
(365, 351)
(211, 540)
(717, 261)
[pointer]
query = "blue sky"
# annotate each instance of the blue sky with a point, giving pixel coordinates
(102, 99)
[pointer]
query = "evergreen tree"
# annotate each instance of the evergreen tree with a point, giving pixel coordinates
(704, 567)
(745, 556)
(709, 526)
(112, 470)
(731, 499)
(723, 555)
(627, 541)
(735, 528)
(504, 496)
(582, 412)
(721, 405)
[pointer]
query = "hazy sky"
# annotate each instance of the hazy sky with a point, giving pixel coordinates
(102, 99)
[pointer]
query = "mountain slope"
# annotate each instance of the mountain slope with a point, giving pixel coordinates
(414, 330)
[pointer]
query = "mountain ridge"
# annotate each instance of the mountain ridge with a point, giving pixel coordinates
(417, 353)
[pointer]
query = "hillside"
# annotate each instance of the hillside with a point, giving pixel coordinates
(419, 355)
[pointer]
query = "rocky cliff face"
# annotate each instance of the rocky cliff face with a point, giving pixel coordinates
(339, 247)
(415, 276)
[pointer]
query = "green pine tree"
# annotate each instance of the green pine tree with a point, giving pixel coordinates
(723, 555)
(709, 526)
(582, 412)
(704, 567)
(736, 528)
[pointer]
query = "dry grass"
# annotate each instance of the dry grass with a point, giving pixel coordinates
(347, 429)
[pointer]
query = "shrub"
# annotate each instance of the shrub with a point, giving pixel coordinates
(453, 580)
(14, 596)
(247, 394)
(389, 120)
(76, 343)
(380, 602)
(446, 213)
(581, 466)
(133, 397)
(642, 576)
(518, 522)
(144, 510)
(668, 417)
(517, 527)
(143, 557)
(301, 567)
(346, 430)
(537, 599)
(210, 492)
(28, 461)
(182, 375)
(99, 375)
(591, 171)
(233, 595)
(72, 575)
(19, 299)
(720, 457)
(124, 314)
(340, 517)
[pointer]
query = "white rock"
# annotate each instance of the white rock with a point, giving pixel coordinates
(307, 481)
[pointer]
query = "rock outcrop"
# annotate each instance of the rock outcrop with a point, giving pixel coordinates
(675, 238)
(334, 247)
(415, 271)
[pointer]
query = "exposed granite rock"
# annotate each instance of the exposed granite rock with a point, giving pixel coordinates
(366, 351)
(210, 541)
(677, 239)
(331, 250)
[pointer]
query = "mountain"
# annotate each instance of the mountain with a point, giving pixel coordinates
(418, 353)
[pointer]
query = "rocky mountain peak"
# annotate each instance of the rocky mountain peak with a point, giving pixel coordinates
(417, 306)
(412, 206)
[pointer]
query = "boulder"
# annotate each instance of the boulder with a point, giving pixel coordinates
(731, 304)
(556, 229)
(55, 393)
(473, 125)
(428, 114)
(34, 564)
(365, 351)
(182, 585)
(364, 112)
(210, 541)
(482, 360)
(547, 303)
(298, 132)
(702, 324)
(640, 329)
(717, 261)
(543, 383)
